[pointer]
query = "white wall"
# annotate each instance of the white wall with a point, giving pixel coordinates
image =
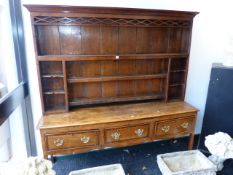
(209, 35)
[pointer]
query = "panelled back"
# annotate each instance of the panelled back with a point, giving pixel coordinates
(111, 40)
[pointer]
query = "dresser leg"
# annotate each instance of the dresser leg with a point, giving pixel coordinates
(52, 158)
(45, 156)
(191, 140)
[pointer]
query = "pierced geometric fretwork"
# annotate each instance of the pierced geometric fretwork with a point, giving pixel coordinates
(48, 20)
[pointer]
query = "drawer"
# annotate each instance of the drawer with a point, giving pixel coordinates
(185, 125)
(126, 133)
(172, 127)
(73, 140)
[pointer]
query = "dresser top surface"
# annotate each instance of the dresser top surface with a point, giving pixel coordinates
(114, 113)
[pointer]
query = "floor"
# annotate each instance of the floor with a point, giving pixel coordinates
(12, 166)
(136, 160)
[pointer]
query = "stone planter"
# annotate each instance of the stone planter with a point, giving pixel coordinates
(114, 169)
(185, 163)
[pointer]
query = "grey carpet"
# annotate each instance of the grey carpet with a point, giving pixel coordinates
(136, 160)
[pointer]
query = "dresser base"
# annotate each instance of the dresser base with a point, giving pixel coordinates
(97, 128)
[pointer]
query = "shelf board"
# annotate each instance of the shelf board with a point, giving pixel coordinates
(175, 99)
(52, 76)
(175, 71)
(111, 57)
(114, 78)
(86, 101)
(53, 92)
(176, 84)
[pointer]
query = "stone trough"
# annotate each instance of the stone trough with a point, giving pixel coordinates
(185, 163)
(114, 169)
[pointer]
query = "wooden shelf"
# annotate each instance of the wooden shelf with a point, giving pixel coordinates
(52, 76)
(176, 84)
(54, 93)
(85, 101)
(110, 57)
(176, 71)
(110, 63)
(114, 78)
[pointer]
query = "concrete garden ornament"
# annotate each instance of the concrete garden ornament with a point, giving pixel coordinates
(37, 166)
(220, 145)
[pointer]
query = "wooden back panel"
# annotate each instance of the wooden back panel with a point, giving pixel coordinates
(105, 40)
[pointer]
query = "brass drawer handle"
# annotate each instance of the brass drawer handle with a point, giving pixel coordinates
(116, 135)
(185, 125)
(58, 142)
(139, 132)
(165, 128)
(85, 139)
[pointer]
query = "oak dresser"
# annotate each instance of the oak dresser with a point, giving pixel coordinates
(111, 77)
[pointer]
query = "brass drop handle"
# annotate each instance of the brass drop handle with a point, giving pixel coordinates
(185, 125)
(116, 135)
(165, 128)
(85, 139)
(139, 132)
(58, 142)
